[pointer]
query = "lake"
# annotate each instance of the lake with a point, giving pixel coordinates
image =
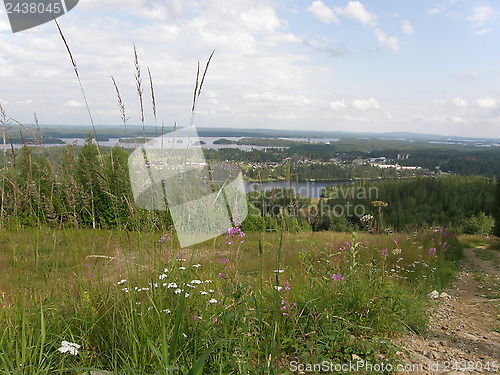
(305, 188)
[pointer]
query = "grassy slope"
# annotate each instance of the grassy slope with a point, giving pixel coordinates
(63, 284)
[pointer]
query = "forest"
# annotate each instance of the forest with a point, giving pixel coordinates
(88, 187)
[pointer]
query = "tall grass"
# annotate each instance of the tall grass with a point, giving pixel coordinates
(308, 298)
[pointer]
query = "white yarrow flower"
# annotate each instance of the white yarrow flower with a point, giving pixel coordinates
(121, 282)
(279, 271)
(69, 347)
(213, 300)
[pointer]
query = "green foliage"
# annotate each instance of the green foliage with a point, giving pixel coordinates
(266, 302)
(496, 212)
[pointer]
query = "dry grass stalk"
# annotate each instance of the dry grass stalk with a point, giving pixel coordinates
(75, 67)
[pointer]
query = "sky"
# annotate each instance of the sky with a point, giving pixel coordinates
(426, 66)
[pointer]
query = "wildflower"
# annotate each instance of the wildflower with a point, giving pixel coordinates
(162, 276)
(213, 300)
(432, 251)
(220, 274)
(278, 271)
(203, 293)
(278, 288)
(287, 285)
(165, 270)
(186, 295)
(184, 335)
(207, 281)
(172, 285)
(182, 268)
(163, 239)
(125, 290)
(69, 347)
(220, 260)
(196, 265)
(195, 282)
(396, 251)
(167, 311)
(178, 291)
(121, 282)
(385, 251)
(337, 277)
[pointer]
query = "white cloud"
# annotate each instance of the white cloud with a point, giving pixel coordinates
(407, 27)
(365, 104)
(483, 14)
(356, 11)
(337, 105)
(260, 19)
(322, 12)
(74, 104)
(486, 102)
(391, 42)
(459, 102)
(457, 119)
(483, 31)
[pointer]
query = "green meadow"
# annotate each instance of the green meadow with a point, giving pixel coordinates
(134, 303)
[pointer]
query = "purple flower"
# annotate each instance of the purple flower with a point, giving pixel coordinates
(221, 275)
(432, 251)
(337, 277)
(385, 251)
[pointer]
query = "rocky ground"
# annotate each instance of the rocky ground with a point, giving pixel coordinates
(464, 331)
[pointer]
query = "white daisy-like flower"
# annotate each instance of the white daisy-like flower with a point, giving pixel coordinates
(125, 290)
(162, 276)
(195, 282)
(121, 282)
(182, 268)
(186, 295)
(165, 270)
(279, 271)
(211, 290)
(196, 265)
(181, 260)
(172, 285)
(213, 300)
(278, 288)
(166, 311)
(203, 293)
(69, 347)
(207, 281)
(178, 291)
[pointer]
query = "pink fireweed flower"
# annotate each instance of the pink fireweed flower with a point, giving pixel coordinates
(337, 277)
(163, 239)
(432, 251)
(385, 251)
(220, 274)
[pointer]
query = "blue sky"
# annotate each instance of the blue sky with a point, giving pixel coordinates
(428, 66)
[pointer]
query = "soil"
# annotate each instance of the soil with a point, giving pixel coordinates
(463, 336)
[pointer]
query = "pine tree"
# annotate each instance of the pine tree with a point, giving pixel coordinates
(496, 211)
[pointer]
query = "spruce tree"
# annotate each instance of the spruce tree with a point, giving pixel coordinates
(496, 210)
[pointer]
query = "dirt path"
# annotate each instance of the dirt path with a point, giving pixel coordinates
(464, 330)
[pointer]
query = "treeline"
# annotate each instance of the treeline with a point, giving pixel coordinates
(448, 201)
(85, 187)
(465, 204)
(329, 171)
